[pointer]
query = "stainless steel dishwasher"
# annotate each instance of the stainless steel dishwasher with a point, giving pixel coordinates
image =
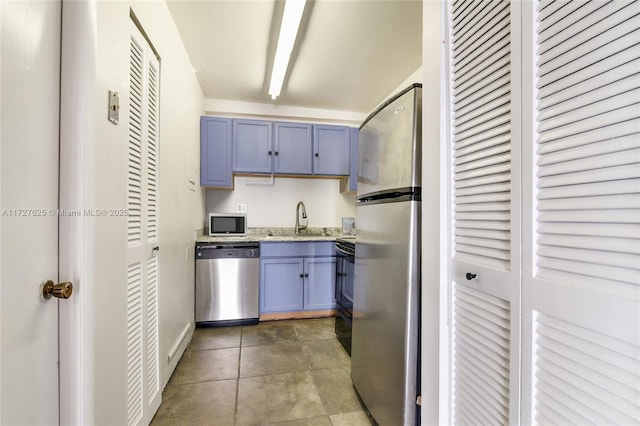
(227, 283)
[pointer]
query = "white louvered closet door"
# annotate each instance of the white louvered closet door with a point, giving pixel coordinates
(143, 372)
(485, 141)
(581, 265)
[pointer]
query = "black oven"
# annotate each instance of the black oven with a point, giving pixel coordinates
(345, 253)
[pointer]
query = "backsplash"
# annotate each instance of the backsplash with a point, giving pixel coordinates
(273, 205)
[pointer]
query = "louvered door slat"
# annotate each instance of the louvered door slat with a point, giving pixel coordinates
(481, 207)
(493, 196)
(613, 230)
(501, 190)
(588, 203)
(621, 216)
(620, 245)
(481, 233)
(591, 189)
(609, 174)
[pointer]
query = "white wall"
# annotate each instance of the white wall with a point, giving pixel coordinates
(103, 273)
(275, 205)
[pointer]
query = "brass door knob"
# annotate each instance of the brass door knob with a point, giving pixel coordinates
(60, 290)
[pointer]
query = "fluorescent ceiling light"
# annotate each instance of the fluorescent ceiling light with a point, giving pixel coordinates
(288, 31)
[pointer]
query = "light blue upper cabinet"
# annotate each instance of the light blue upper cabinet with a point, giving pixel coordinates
(353, 160)
(215, 152)
(292, 148)
(252, 146)
(331, 150)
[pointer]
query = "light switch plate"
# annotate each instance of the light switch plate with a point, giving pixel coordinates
(114, 107)
(241, 208)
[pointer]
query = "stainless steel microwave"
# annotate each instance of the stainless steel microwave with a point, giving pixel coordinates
(227, 224)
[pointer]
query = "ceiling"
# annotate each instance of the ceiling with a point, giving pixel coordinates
(349, 54)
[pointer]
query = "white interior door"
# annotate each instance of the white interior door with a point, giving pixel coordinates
(143, 364)
(29, 123)
(581, 280)
(485, 265)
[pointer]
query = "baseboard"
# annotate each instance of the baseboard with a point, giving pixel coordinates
(298, 315)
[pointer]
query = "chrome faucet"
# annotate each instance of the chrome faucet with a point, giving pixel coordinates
(304, 217)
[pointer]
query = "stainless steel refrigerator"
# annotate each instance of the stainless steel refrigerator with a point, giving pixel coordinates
(386, 310)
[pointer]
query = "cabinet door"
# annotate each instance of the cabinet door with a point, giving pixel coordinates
(331, 150)
(252, 146)
(215, 152)
(292, 148)
(319, 283)
(353, 159)
(281, 285)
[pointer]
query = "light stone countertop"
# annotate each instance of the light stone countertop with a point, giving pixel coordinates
(278, 234)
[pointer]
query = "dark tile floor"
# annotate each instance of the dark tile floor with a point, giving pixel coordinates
(281, 372)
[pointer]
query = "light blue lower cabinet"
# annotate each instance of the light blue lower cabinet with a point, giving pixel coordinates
(319, 285)
(281, 286)
(292, 284)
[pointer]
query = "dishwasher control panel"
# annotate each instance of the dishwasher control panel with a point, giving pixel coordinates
(231, 251)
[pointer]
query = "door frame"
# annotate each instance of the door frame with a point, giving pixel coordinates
(435, 360)
(76, 188)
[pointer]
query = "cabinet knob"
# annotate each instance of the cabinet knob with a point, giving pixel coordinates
(471, 276)
(317, 155)
(306, 275)
(276, 152)
(301, 275)
(269, 152)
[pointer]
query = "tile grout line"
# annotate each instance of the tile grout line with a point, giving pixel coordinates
(313, 379)
(235, 411)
